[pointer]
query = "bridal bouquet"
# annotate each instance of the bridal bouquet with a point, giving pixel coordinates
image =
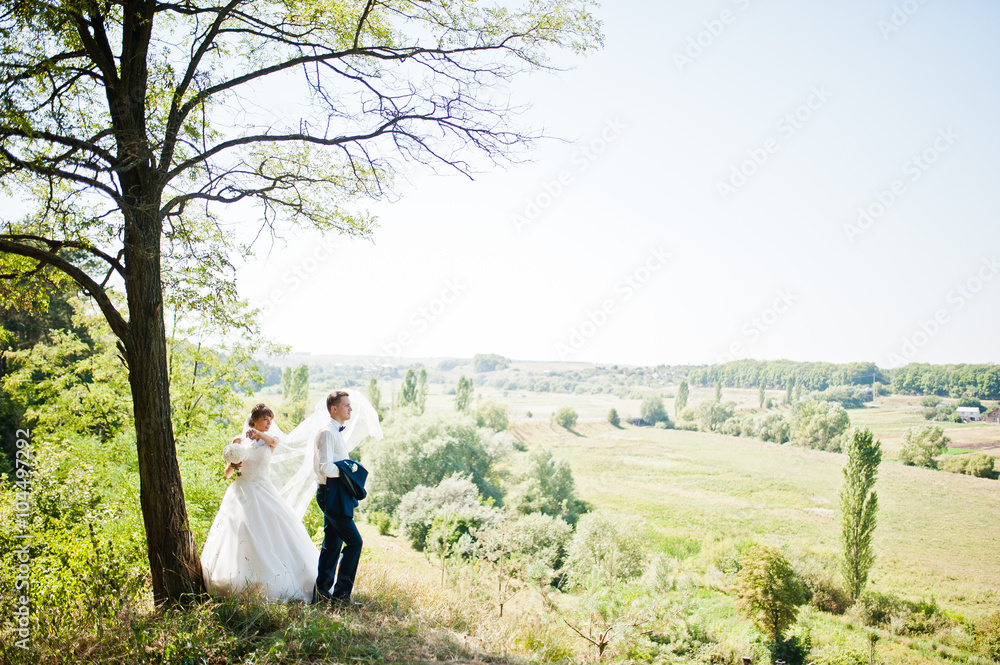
(234, 454)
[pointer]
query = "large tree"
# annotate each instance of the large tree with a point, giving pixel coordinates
(127, 126)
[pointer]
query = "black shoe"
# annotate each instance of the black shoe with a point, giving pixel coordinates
(319, 596)
(346, 601)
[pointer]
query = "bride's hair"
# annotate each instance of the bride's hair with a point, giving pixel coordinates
(261, 411)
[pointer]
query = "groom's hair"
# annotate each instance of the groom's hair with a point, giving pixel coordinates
(333, 399)
(260, 411)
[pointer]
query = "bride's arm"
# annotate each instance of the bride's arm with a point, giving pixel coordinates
(270, 440)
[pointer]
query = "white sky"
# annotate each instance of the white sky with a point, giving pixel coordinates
(768, 267)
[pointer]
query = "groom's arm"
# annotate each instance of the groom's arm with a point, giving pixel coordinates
(327, 463)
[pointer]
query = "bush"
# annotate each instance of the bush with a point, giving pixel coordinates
(607, 546)
(819, 424)
(614, 418)
(565, 416)
(711, 415)
(767, 591)
(652, 410)
(970, 401)
(930, 401)
(424, 450)
(546, 486)
(492, 415)
(380, 520)
(825, 594)
(979, 465)
(455, 498)
(987, 635)
(880, 610)
(921, 444)
(791, 651)
(687, 413)
(877, 609)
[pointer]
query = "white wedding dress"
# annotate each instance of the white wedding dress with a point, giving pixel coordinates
(256, 543)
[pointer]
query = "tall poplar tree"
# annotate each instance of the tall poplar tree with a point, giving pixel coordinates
(859, 509)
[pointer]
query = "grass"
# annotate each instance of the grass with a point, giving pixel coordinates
(408, 616)
(938, 535)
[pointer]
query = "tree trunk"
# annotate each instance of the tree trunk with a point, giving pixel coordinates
(173, 560)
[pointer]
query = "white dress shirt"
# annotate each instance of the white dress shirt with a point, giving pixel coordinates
(330, 448)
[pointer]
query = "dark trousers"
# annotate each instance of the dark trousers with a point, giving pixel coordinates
(340, 536)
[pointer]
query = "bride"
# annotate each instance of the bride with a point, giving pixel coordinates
(257, 543)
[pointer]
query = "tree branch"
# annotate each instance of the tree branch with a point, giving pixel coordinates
(117, 322)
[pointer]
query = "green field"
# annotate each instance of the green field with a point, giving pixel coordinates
(938, 536)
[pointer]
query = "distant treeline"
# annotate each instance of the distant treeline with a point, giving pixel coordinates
(981, 381)
(780, 373)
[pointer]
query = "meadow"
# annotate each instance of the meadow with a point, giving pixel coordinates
(702, 494)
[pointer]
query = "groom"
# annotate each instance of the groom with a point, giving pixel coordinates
(337, 502)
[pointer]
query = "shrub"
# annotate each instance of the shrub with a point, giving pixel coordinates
(424, 450)
(987, 635)
(767, 591)
(492, 415)
(652, 410)
(825, 594)
(456, 498)
(902, 616)
(687, 413)
(380, 520)
(929, 401)
(607, 546)
(970, 401)
(921, 444)
(614, 418)
(773, 427)
(546, 486)
(979, 465)
(565, 416)
(819, 424)
(791, 651)
(877, 609)
(712, 414)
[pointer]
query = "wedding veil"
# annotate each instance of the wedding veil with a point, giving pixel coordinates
(292, 460)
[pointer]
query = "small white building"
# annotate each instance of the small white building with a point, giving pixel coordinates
(969, 413)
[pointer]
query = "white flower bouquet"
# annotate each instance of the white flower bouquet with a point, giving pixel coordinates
(234, 453)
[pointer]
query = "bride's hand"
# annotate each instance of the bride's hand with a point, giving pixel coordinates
(253, 434)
